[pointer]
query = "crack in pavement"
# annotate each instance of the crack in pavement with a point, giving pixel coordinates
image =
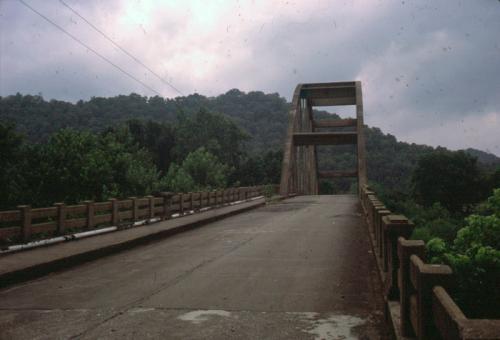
(162, 287)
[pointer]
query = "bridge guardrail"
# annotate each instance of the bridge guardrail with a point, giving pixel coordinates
(421, 290)
(25, 223)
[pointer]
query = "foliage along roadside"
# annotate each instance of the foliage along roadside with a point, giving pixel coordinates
(450, 207)
(263, 118)
(200, 152)
(474, 256)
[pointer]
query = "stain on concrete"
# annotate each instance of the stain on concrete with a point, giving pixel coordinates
(199, 316)
(239, 278)
(330, 326)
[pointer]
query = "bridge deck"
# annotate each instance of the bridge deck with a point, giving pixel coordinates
(298, 269)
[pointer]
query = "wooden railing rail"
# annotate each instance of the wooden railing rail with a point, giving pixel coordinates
(26, 223)
(426, 310)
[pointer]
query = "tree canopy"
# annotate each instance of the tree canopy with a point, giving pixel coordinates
(450, 178)
(244, 131)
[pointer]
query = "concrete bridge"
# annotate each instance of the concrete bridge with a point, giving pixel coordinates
(301, 268)
(228, 265)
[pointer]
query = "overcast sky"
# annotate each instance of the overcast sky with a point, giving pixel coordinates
(430, 69)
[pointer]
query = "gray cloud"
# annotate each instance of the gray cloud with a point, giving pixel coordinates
(430, 69)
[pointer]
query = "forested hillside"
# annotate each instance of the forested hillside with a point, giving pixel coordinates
(262, 116)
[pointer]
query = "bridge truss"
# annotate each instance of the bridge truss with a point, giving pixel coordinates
(300, 172)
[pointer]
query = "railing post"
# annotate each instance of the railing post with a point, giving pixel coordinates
(135, 209)
(380, 231)
(395, 226)
(151, 206)
(115, 217)
(407, 248)
(424, 277)
(365, 199)
(367, 206)
(363, 192)
(191, 203)
(167, 205)
(61, 217)
(90, 214)
(377, 205)
(181, 204)
(25, 211)
(372, 202)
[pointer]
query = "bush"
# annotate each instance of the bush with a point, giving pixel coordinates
(474, 256)
(199, 171)
(269, 190)
(178, 180)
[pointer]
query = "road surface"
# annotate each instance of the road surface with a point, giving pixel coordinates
(298, 269)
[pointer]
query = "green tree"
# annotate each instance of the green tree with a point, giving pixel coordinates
(178, 180)
(206, 169)
(157, 138)
(474, 256)
(12, 153)
(199, 171)
(256, 169)
(216, 133)
(450, 178)
(78, 165)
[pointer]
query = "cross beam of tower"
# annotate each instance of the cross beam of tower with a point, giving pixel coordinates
(299, 172)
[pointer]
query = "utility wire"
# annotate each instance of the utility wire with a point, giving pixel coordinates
(121, 48)
(90, 48)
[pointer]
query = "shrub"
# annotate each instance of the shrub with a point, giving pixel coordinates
(474, 256)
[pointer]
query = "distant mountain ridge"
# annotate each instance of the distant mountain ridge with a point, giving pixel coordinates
(483, 157)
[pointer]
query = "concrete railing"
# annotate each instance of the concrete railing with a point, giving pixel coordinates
(25, 223)
(419, 291)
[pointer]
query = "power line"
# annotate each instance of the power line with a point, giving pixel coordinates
(121, 48)
(90, 48)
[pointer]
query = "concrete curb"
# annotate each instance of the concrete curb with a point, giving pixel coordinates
(40, 268)
(279, 198)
